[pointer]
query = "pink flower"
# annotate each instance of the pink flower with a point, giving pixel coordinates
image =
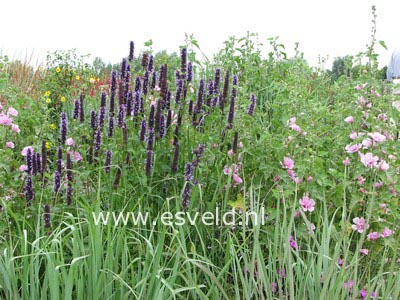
(382, 117)
(367, 143)
(307, 204)
(310, 179)
(349, 285)
(70, 142)
(296, 214)
(296, 179)
(292, 242)
(346, 161)
(361, 180)
(231, 153)
(274, 287)
(378, 185)
(12, 112)
(352, 148)
(5, 120)
(349, 119)
(363, 293)
(291, 173)
(15, 128)
(25, 150)
(364, 251)
(377, 137)
(375, 93)
(353, 135)
(383, 165)
(236, 179)
(288, 163)
(10, 145)
(373, 295)
(359, 224)
(295, 127)
(23, 168)
(291, 121)
(372, 236)
(75, 156)
(386, 232)
(290, 138)
(369, 160)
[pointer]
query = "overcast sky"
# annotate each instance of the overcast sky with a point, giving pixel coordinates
(104, 28)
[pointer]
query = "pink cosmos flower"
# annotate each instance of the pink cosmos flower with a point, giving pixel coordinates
(353, 135)
(15, 128)
(307, 204)
(346, 161)
(10, 145)
(361, 180)
(292, 242)
(295, 127)
(352, 148)
(349, 119)
(70, 142)
(76, 156)
(363, 293)
(367, 143)
(288, 163)
(25, 150)
(12, 112)
(364, 251)
(23, 168)
(372, 236)
(377, 137)
(369, 160)
(236, 179)
(383, 165)
(359, 224)
(387, 232)
(5, 120)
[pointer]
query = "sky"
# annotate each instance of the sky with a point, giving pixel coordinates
(101, 28)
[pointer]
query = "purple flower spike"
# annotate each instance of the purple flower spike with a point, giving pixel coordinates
(131, 50)
(252, 105)
(63, 127)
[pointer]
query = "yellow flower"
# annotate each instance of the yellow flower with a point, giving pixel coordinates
(62, 99)
(58, 70)
(77, 77)
(53, 126)
(48, 145)
(48, 100)
(92, 80)
(47, 93)
(98, 79)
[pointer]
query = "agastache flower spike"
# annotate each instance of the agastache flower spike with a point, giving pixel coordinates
(252, 105)
(103, 102)
(167, 100)
(136, 104)
(151, 116)
(102, 116)
(34, 164)
(183, 62)
(38, 161)
(154, 80)
(145, 60)
(150, 67)
(161, 132)
(231, 114)
(29, 161)
(217, 80)
(129, 104)
(150, 140)
(189, 75)
(46, 216)
(174, 166)
(81, 108)
(75, 115)
(200, 96)
(235, 142)
(63, 127)
(138, 84)
(107, 165)
(189, 172)
(149, 162)
(93, 120)
(186, 195)
(121, 116)
(178, 94)
(97, 140)
(226, 87)
(28, 190)
(110, 126)
(169, 119)
(145, 82)
(113, 91)
(59, 160)
(123, 68)
(143, 130)
(57, 182)
(131, 50)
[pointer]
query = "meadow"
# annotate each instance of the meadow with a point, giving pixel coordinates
(313, 158)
